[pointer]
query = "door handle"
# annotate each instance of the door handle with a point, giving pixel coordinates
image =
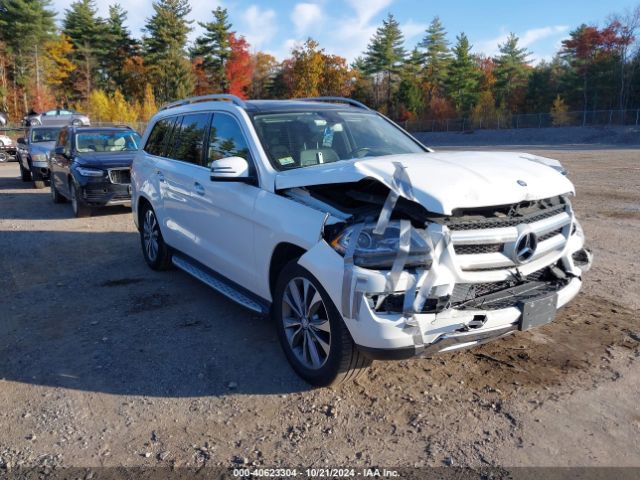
(198, 188)
(160, 176)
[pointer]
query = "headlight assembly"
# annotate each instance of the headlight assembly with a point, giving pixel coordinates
(379, 251)
(89, 172)
(38, 157)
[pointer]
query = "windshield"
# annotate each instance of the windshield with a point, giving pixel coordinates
(119, 141)
(294, 140)
(39, 135)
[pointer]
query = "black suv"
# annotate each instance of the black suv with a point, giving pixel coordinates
(91, 166)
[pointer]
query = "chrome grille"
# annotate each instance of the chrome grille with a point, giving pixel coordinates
(120, 176)
(483, 244)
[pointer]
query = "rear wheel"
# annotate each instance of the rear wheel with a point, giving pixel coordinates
(311, 331)
(80, 209)
(156, 253)
(4, 156)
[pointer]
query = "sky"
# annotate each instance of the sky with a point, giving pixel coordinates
(344, 27)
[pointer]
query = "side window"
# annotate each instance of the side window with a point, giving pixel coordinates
(157, 138)
(226, 139)
(188, 139)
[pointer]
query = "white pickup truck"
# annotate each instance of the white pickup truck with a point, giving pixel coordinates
(361, 242)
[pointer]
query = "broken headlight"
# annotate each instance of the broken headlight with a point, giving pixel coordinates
(379, 251)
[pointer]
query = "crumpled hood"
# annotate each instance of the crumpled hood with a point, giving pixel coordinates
(444, 181)
(105, 159)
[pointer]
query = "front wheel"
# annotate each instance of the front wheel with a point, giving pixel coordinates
(156, 253)
(311, 331)
(55, 195)
(39, 182)
(25, 175)
(80, 209)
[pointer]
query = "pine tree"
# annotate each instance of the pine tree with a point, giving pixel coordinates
(512, 72)
(410, 89)
(214, 49)
(436, 57)
(164, 49)
(385, 54)
(24, 25)
(464, 77)
(119, 46)
(87, 33)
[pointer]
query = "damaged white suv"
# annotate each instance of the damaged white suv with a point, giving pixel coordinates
(360, 242)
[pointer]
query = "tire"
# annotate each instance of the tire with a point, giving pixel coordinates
(156, 252)
(4, 156)
(55, 195)
(80, 209)
(39, 182)
(25, 174)
(330, 356)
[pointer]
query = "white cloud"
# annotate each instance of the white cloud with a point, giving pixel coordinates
(526, 39)
(412, 29)
(258, 26)
(306, 17)
(366, 10)
(350, 35)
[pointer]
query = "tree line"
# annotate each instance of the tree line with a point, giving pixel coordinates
(96, 65)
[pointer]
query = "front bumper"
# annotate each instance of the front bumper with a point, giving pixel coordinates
(105, 194)
(389, 335)
(446, 331)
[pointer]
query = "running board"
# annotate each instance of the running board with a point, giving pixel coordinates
(219, 284)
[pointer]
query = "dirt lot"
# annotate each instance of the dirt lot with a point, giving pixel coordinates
(104, 362)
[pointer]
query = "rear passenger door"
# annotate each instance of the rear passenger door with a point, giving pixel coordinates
(224, 220)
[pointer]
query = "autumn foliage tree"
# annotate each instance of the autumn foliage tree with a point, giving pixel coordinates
(239, 68)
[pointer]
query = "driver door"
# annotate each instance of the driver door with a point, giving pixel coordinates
(225, 208)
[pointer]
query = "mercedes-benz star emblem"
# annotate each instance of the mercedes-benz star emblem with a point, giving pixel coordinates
(522, 183)
(525, 247)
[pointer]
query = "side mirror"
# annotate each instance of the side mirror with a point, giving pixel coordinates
(231, 169)
(22, 141)
(59, 150)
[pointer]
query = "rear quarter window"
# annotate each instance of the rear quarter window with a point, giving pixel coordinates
(158, 137)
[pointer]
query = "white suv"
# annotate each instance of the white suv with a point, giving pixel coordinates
(361, 242)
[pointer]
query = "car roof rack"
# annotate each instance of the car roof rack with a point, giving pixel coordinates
(206, 98)
(349, 101)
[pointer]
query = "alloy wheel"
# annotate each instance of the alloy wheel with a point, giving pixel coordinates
(306, 323)
(150, 235)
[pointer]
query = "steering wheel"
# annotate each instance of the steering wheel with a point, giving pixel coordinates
(355, 153)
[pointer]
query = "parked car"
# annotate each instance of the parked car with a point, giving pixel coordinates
(56, 117)
(7, 149)
(33, 152)
(361, 242)
(91, 167)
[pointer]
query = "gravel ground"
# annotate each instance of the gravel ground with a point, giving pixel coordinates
(106, 363)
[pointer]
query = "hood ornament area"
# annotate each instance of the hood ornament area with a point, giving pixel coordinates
(524, 248)
(522, 183)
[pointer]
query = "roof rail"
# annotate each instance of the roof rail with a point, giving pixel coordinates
(206, 98)
(349, 101)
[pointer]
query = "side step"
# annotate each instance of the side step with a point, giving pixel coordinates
(220, 284)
